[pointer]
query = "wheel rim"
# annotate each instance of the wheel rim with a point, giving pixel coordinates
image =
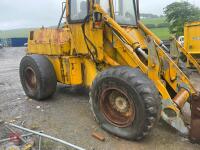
(117, 107)
(30, 78)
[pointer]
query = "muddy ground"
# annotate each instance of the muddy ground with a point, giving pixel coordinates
(67, 114)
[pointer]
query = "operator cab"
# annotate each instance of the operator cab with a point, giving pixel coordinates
(123, 11)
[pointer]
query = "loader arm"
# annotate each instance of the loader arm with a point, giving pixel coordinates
(161, 69)
(178, 46)
(188, 55)
(133, 46)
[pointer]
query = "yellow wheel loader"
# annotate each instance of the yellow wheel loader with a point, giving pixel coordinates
(103, 46)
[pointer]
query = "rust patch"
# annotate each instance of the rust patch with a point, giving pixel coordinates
(195, 119)
(117, 107)
(53, 36)
(41, 36)
(30, 78)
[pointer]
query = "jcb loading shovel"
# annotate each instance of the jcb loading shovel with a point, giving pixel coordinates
(132, 80)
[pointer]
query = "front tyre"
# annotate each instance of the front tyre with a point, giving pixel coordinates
(125, 102)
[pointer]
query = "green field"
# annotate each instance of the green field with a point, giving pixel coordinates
(155, 21)
(163, 33)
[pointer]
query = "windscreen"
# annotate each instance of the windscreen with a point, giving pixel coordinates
(105, 5)
(124, 11)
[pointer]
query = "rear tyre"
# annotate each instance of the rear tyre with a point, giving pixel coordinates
(125, 102)
(37, 77)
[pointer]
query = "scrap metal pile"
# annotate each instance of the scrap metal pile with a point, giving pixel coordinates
(13, 137)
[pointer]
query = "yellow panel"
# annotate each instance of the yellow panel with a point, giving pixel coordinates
(66, 70)
(72, 70)
(137, 35)
(75, 71)
(122, 53)
(90, 72)
(69, 71)
(78, 39)
(192, 37)
(95, 36)
(50, 42)
(56, 61)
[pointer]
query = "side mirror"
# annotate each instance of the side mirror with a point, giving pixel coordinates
(97, 20)
(97, 16)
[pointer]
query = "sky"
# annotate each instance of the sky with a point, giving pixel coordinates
(36, 13)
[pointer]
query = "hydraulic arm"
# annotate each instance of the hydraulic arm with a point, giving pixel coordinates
(162, 70)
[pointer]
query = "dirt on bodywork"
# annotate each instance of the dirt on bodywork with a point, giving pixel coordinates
(67, 114)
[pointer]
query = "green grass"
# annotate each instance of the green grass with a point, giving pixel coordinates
(162, 33)
(155, 21)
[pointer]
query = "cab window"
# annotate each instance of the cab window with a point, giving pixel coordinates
(124, 11)
(78, 10)
(105, 5)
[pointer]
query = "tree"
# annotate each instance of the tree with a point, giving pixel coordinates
(178, 13)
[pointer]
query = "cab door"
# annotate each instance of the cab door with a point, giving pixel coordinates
(86, 39)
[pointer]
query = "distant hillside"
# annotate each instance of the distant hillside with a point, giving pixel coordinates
(16, 33)
(163, 33)
(143, 15)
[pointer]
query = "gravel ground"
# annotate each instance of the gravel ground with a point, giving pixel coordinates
(67, 114)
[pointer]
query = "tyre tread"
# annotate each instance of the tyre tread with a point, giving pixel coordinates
(146, 89)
